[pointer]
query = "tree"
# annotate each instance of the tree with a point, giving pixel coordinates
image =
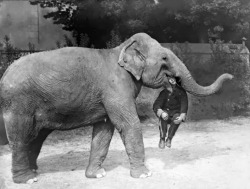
(164, 20)
(97, 18)
(224, 19)
(92, 19)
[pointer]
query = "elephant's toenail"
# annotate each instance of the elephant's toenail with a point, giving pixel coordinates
(30, 181)
(143, 176)
(146, 175)
(99, 176)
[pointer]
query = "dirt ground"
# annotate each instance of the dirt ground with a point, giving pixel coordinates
(205, 154)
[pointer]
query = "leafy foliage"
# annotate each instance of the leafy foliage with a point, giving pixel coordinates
(235, 64)
(219, 18)
(11, 53)
(68, 41)
(164, 20)
(114, 41)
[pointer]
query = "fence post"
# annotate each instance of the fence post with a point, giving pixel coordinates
(245, 52)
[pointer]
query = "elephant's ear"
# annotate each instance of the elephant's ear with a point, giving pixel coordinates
(132, 59)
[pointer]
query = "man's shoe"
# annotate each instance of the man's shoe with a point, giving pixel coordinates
(168, 143)
(162, 144)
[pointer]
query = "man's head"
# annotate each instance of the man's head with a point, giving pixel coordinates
(172, 81)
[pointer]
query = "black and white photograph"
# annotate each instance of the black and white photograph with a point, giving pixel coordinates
(124, 94)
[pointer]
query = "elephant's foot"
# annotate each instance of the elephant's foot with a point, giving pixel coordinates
(33, 167)
(95, 173)
(141, 172)
(32, 164)
(25, 177)
(30, 181)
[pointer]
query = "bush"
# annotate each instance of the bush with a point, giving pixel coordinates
(231, 61)
(234, 97)
(11, 53)
(114, 41)
(8, 55)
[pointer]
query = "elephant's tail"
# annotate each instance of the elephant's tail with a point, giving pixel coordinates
(3, 135)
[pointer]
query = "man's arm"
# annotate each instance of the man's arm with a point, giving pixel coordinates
(157, 106)
(184, 104)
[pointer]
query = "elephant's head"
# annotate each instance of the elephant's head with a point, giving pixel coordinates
(151, 63)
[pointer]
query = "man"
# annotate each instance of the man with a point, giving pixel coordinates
(171, 107)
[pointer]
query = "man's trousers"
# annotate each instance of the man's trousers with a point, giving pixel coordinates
(172, 129)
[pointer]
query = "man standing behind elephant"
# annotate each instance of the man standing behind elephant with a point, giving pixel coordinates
(171, 107)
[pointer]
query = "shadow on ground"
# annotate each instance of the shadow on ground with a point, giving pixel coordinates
(72, 161)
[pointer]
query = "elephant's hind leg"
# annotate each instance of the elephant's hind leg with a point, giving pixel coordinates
(35, 147)
(19, 129)
(101, 137)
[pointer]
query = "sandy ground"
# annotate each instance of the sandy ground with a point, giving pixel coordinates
(205, 154)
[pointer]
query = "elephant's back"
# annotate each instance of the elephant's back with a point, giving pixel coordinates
(53, 73)
(26, 67)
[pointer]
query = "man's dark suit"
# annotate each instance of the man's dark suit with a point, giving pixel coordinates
(174, 104)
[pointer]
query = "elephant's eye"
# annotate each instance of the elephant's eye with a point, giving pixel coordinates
(165, 58)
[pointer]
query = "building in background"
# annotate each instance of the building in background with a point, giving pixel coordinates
(25, 23)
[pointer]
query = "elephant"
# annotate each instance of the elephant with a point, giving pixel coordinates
(73, 87)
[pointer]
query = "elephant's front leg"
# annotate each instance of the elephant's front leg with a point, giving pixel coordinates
(101, 137)
(124, 116)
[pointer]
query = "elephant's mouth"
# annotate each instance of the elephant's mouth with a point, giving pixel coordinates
(155, 83)
(162, 80)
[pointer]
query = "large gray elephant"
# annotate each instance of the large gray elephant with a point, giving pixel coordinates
(73, 87)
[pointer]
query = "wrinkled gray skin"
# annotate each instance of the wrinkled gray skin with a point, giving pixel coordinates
(73, 87)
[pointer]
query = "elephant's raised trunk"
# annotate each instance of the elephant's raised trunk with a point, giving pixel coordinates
(190, 85)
